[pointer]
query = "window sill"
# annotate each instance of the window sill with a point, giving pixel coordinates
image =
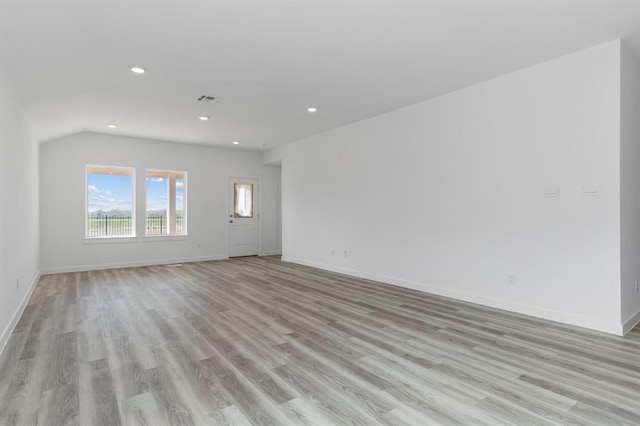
(154, 238)
(109, 240)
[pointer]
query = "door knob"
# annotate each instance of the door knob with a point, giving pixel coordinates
(230, 221)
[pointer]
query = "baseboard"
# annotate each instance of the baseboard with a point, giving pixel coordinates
(8, 330)
(547, 314)
(628, 325)
(133, 264)
(270, 253)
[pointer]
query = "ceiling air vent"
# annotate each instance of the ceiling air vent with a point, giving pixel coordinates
(208, 99)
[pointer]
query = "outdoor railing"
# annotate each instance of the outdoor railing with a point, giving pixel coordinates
(121, 226)
(109, 226)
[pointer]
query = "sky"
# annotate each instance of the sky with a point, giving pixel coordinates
(157, 194)
(113, 192)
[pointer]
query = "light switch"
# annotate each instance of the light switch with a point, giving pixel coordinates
(590, 190)
(551, 191)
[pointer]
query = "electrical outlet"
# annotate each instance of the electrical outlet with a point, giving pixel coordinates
(511, 279)
(637, 285)
(17, 283)
(346, 254)
(333, 252)
(199, 245)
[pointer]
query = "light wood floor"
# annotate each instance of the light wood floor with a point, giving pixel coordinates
(258, 341)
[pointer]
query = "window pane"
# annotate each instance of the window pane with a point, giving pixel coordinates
(109, 203)
(166, 194)
(157, 205)
(243, 200)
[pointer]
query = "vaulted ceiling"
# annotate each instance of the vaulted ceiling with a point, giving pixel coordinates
(267, 61)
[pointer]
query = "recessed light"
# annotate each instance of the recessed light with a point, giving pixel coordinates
(312, 109)
(138, 70)
(203, 117)
(111, 126)
(236, 142)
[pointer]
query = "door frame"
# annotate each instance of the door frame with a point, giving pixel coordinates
(230, 211)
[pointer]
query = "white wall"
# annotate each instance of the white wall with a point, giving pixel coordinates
(630, 187)
(63, 197)
(18, 211)
(446, 196)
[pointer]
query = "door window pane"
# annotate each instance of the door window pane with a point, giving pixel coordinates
(243, 200)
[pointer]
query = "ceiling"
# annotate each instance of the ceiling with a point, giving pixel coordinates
(267, 60)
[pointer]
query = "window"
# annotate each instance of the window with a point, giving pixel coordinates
(166, 203)
(110, 211)
(242, 200)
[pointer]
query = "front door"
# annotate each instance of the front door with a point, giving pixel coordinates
(243, 217)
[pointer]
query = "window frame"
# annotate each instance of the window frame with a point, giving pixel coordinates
(167, 174)
(119, 170)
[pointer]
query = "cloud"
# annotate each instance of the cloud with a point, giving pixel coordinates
(151, 179)
(108, 192)
(101, 203)
(93, 188)
(179, 184)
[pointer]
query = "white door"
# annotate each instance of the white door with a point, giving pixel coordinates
(243, 217)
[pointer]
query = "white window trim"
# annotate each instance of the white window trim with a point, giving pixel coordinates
(110, 240)
(173, 237)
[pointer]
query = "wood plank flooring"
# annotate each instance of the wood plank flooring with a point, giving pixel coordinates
(257, 341)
